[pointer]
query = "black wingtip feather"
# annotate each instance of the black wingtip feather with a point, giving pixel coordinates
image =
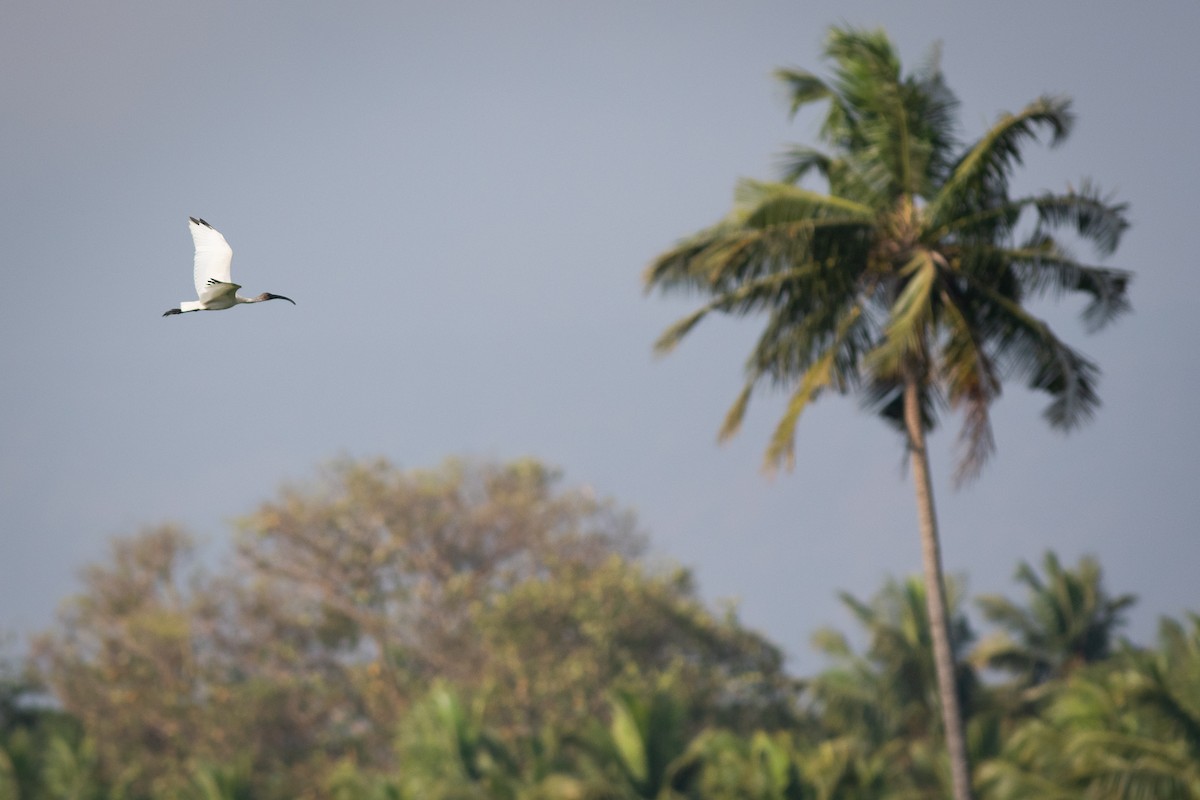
(200, 221)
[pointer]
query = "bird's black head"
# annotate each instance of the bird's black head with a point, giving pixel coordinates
(269, 296)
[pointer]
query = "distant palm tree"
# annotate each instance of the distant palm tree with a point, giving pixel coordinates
(1126, 728)
(881, 708)
(647, 746)
(1068, 621)
(449, 752)
(905, 279)
(761, 766)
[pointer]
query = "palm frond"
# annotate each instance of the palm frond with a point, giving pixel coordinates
(1007, 614)
(909, 316)
(737, 412)
(803, 326)
(716, 261)
(1000, 651)
(1090, 213)
(868, 114)
(677, 268)
(818, 376)
(1028, 347)
(863, 177)
(862, 610)
(764, 204)
(903, 149)
(863, 60)
(803, 87)
(798, 161)
(725, 255)
(749, 296)
(981, 175)
(831, 642)
(1027, 575)
(751, 253)
(972, 384)
(933, 109)
(1042, 266)
(889, 142)
(904, 125)
(991, 222)
(673, 335)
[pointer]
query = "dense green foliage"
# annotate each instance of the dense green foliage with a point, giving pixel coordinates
(477, 631)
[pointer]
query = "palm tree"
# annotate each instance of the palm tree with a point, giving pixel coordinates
(1068, 621)
(448, 749)
(904, 279)
(231, 781)
(758, 766)
(647, 746)
(1126, 728)
(879, 709)
(448, 752)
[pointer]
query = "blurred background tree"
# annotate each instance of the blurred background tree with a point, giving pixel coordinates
(1067, 622)
(349, 598)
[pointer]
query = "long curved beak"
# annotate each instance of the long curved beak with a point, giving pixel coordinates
(280, 297)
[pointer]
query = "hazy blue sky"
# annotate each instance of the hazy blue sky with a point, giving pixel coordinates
(461, 197)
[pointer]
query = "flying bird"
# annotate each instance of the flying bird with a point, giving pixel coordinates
(213, 284)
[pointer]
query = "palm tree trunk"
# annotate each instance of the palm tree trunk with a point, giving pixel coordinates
(935, 594)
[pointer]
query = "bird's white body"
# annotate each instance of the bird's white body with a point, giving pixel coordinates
(211, 271)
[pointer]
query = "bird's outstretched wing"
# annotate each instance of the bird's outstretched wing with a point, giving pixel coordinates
(213, 257)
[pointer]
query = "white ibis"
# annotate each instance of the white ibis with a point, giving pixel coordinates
(213, 284)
